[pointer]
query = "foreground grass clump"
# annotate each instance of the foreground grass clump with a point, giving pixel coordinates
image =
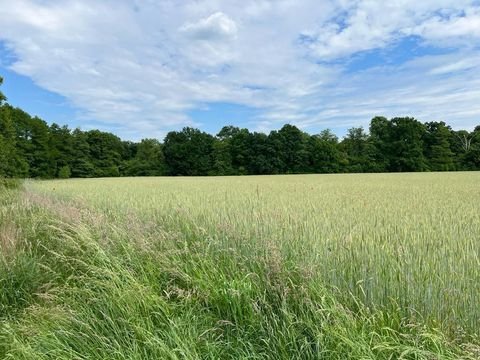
(9, 183)
(87, 279)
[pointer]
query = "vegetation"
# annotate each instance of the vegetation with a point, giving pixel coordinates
(9, 183)
(373, 266)
(31, 148)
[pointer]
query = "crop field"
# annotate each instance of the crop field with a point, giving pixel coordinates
(373, 266)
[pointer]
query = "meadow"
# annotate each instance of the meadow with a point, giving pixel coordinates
(371, 266)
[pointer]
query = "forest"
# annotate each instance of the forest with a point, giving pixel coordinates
(31, 148)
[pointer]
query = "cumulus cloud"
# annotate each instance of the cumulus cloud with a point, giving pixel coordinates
(217, 26)
(142, 66)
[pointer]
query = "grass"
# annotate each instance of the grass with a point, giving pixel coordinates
(281, 267)
(9, 183)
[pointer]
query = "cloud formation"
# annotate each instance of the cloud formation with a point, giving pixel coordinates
(142, 66)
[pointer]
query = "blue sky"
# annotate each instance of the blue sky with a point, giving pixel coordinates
(142, 68)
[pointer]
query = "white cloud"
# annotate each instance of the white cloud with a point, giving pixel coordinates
(217, 26)
(459, 27)
(142, 66)
(366, 25)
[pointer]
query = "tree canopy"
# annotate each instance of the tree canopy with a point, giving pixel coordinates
(30, 147)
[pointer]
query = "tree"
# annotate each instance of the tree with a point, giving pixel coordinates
(398, 144)
(438, 146)
(239, 143)
(31, 147)
(407, 145)
(263, 157)
(148, 160)
(2, 97)
(60, 148)
(40, 161)
(188, 152)
(105, 152)
(294, 150)
(380, 135)
(472, 155)
(359, 150)
(230, 152)
(276, 146)
(64, 172)
(325, 153)
(221, 158)
(7, 145)
(82, 166)
(8, 153)
(23, 144)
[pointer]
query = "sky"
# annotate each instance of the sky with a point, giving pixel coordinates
(141, 68)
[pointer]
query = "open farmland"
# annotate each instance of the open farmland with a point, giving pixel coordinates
(304, 266)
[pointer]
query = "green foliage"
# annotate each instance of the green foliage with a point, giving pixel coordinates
(188, 152)
(360, 151)
(29, 147)
(40, 160)
(438, 146)
(148, 159)
(2, 97)
(293, 149)
(11, 162)
(64, 172)
(105, 151)
(81, 164)
(326, 155)
(7, 183)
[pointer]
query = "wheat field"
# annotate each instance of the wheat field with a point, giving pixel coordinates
(398, 255)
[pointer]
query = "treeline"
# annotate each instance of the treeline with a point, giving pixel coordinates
(29, 147)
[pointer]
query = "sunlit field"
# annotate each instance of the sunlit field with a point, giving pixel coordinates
(398, 253)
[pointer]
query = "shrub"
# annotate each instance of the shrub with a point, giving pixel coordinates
(64, 172)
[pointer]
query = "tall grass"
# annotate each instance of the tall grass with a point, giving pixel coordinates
(320, 267)
(9, 183)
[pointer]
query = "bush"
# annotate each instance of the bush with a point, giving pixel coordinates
(64, 172)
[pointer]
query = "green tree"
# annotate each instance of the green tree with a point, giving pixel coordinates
(438, 146)
(294, 150)
(360, 151)
(325, 153)
(23, 144)
(60, 148)
(7, 140)
(239, 144)
(472, 155)
(148, 160)
(188, 152)
(40, 160)
(406, 149)
(221, 158)
(81, 166)
(64, 172)
(2, 97)
(9, 157)
(398, 144)
(276, 147)
(263, 158)
(105, 152)
(30, 147)
(380, 137)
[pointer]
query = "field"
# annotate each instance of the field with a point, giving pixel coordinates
(374, 266)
